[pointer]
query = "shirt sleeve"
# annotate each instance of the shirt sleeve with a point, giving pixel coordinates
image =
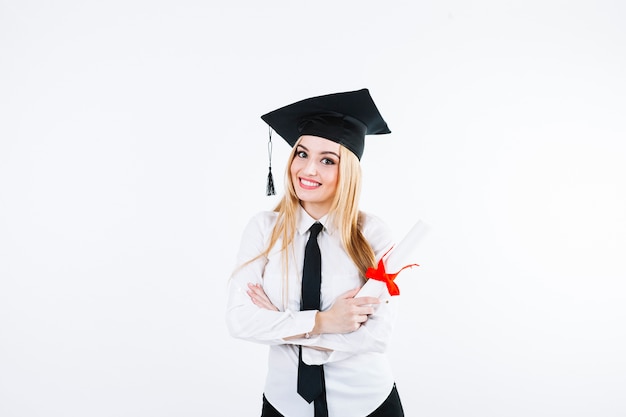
(244, 319)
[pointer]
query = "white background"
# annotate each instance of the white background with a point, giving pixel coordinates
(132, 154)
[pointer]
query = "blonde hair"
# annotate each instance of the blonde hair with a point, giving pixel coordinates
(344, 213)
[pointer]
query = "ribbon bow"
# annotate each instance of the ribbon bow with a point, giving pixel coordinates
(379, 274)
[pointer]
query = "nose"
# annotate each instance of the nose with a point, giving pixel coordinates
(310, 168)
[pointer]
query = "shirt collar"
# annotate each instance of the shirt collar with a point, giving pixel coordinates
(305, 221)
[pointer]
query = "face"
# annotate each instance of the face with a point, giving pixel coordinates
(315, 173)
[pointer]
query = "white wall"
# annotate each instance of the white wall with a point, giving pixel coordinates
(132, 154)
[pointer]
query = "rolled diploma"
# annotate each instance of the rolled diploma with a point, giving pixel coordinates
(398, 257)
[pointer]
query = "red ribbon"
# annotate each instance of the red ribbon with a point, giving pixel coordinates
(379, 274)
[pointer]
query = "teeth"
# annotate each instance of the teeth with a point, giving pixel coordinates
(309, 183)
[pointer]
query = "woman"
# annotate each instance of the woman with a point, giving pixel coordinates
(301, 265)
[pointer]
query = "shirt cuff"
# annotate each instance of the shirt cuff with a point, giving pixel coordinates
(304, 322)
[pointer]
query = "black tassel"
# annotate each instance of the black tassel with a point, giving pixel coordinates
(269, 190)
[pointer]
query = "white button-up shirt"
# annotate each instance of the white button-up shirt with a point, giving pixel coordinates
(358, 376)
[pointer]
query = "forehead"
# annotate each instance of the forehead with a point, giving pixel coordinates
(317, 143)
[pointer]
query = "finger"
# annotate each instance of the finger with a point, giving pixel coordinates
(262, 302)
(255, 287)
(257, 290)
(256, 293)
(367, 310)
(254, 300)
(253, 296)
(261, 299)
(252, 292)
(366, 301)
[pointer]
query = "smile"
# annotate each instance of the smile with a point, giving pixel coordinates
(308, 184)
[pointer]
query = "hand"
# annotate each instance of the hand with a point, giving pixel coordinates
(259, 298)
(346, 315)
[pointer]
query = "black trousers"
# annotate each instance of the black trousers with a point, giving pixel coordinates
(391, 407)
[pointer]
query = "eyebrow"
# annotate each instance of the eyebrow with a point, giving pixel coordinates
(323, 152)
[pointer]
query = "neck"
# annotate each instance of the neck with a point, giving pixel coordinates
(314, 210)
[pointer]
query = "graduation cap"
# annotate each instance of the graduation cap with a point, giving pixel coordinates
(345, 118)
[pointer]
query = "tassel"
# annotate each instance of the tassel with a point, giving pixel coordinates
(269, 189)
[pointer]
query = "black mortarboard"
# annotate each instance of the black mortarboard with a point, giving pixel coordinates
(344, 118)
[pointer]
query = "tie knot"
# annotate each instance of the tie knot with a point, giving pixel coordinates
(315, 230)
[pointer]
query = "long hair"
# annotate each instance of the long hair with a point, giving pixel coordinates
(344, 213)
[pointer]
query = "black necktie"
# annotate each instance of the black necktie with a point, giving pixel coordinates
(311, 377)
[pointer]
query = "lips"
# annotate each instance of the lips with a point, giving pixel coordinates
(309, 184)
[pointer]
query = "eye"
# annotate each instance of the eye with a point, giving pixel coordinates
(301, 154)
(328, 161)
